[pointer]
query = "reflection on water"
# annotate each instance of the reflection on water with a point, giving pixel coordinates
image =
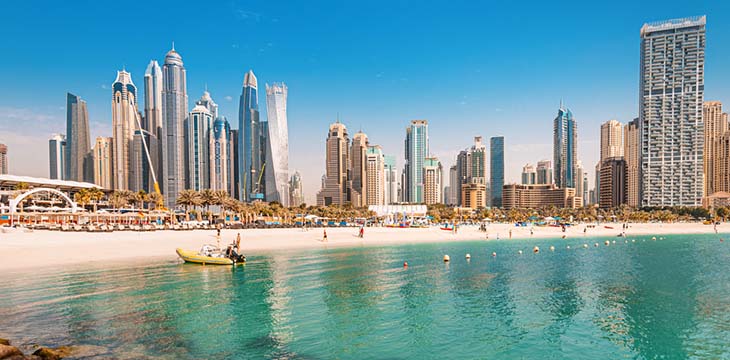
(653, 299)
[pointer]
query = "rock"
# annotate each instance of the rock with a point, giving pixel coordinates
(23, 357)
(53, 354)
(7, 351)
(80, 351)
(4, 342)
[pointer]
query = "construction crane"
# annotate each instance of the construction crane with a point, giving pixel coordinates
(160, 203)
(256, 191)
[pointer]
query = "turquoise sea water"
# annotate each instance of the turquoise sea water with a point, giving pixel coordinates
(666, 299)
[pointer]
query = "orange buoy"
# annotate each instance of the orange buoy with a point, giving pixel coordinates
(405, 264)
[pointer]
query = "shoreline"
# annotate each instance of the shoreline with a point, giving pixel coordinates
(23, 251)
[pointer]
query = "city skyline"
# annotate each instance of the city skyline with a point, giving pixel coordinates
(470, 112)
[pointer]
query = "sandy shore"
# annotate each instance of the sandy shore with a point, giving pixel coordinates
(52, 248)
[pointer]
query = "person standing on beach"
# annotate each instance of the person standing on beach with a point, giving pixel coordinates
(324, 238)
(238, 242)
(510, 233)
(362, 232)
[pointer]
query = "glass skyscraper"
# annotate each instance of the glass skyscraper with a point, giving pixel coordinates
(496, 168)
(220, 154)
(671, 126)
(199, 124)
(416, 150)
(78, 143)
(56, 156)
(277, 145)
(565, 147)
(251, 154)
(174, 111)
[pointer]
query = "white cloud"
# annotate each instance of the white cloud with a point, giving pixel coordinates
(228, 98)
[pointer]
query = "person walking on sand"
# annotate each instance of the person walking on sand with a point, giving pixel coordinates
(510, 233)
(362, 232)
(238, 243)
(324, 238)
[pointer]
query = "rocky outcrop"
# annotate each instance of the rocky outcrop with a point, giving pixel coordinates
(7, 351)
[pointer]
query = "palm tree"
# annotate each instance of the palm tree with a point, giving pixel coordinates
(117, 199)
(207, 198)
(155, 200)
(82, 197)
(95, 194)
(139, 198)
(219, 198)
(188, 198)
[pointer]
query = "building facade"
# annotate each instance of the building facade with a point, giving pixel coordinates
(539, 196)
(391, 180)
(56, 156)
(277, 144)
(632, 156)
(141, 164)
(77, 138)
(124, 124)
(670, 112)
(716, 124)
(251, 156)
(174, 112)
(296, 190)
(374, 193)
(153, 120)
(613, 183)
(103, 159)
(544, 172)
(474, 194)
(358, 178)
(432, 184)
(496, 169)
(199, 124)
(334, 185)
(416, 150)
(529, 175)
(3, 159)
(565, 148)
(219, 149)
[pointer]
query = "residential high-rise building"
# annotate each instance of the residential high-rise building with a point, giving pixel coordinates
(474, 194)
(454, 187)
(565, 148)
(581, 188)
(632, 155)
(358, 179)
(613, 182)
(612, 142)
(77, 138)
(529, 175)
(416, 150)
(471, 167)
(220, 153)
(153, 121)
(391, 180)
(670, 112)
(374, 183)
(124, 123)
(251, 155)
(277, 144)
(174, 112)
(102, 159)
(716, 124)
(140, 167)
(539, 196)
(544, 172)
(56, 156)
(296, 190)
(432, 184)
(199, 123)
(207, 102)
(496, 168)
(234, 180)
(334, 189)
(3, 159)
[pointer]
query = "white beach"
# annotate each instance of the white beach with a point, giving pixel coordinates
(21, 250)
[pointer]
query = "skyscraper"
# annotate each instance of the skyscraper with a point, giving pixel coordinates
(716, 124)
(496, 168)
(102, 159)
(251, 156)
(529, 175)
(220, 153)
(174, 111)
(454, 187)
(77, 138)
(416, 150)
(56, 156)
(374, 193)
(432, 184)
(565, 148)
(200, 121)
(124, 123)
(277, 144)
(296, 190)
(544, 172)
(612, 142)
(334, 184)
(670, 112)
(139, 166)
(391, 180)
(612, 192)
(153, 121)
(632, 141)
(3, 159)
(358, 179)
(234, 179)
(471, 176)
(580, 174)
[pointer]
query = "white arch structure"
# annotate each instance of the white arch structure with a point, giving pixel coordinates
(14, 202)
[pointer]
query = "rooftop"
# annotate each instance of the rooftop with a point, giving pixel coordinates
(12, 180)
(673, 24)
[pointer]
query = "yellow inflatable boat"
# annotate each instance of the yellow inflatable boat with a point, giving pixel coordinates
(209, 255)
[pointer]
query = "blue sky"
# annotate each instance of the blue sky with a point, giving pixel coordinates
(469, 67)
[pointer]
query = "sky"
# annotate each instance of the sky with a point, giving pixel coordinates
(470, 68)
